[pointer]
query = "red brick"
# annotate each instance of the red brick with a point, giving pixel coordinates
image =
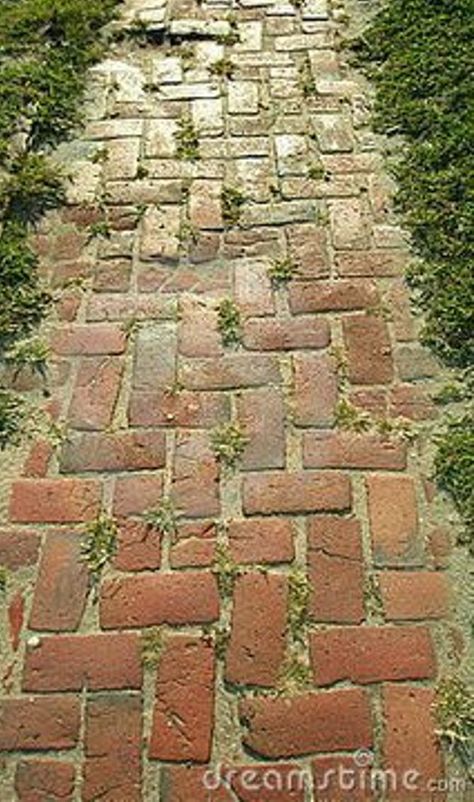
(119, 451)
(95, 392)
(410, 743)
(257, 643)
(168, 598)
(39, 722)
(184, 708)
(40, 780)
(336, 569)
(184, 409)
(205, 204)
(312, 491)
(154, 365)
(120, 306)
(368, 348)
(277, 334)
(252, 287)
(414, 403)
(349, 223)
(195, 487)
(308, 248)
(370, 263)
(198, 334)
(372, 654)
(329, 449)
(16, 617)
(261, 414)
(337, 296)
(139, 547)
(62, 584)
(18, 547)
(261, 540)
(55, 500)
(441, 546)
(414, 595)
(229, 371)
(301, 725)
(394, 520)
(88, 340)
(184, 783)
(193, 553)
(112, 748)
(137, 494)
(112, 275)
(334, 783)
(316, 389)
(37, 463)
(97, 662)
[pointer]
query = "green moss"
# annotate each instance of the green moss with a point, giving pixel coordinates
(299, 592)
(3, 580)
(454, 711)
(12, 418)
(419, 55)
(152, 647)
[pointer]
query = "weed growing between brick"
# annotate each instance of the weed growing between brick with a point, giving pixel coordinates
(419, 56)
(99, 546)
(229, 322)
(46, 48)
(164, 518)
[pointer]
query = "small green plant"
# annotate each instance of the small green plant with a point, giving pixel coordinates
(142, 171)
(225, 570)
(187, 140)
(99, 546)
(233, 36)
(350, 418)
(232, 202)
(220, 636)
(152, 647)
(307, 82)
(164, 518)
(296, 676)
(223, 67)
(101, 156)
(282, 271)
(188, 233)
(454, 711)
(229, 322)
(299, 591)
(101, 228)
(229, 443)
(454, 469)
(31, 355)
(13, 417)
(188, 57)
(373, 596)
(316, 171)
(3, 580)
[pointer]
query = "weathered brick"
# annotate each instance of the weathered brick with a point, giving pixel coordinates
(38, 780)
(334, 783)
(394, 520)
(229, 371)
(71, 662)
(184, 409)
(308, 249)
(112, 747)
(316, 389)
(95, 392)
(184, 782)
(337, 296)
(279, 782)
(370, 263)
(16, 618)
(336, 569)
(410, 743)
(261, 414)
(312, 491)
(138, 546)
(261, 540)
(18, 547)
(349, 223)
(372, 654)
(183, 716)
(368, 348)
(38, 460)
(88, 340)
(312, 722)
(166, 598)
(37, 723)
(195, 486)
(154, 358)
(205, 204)
(414, 595)
(412, 402)
(330, 449)
(55, 500)
(137, 494)
(257, 642)
(198, 334)
(277, 334)
(118, 451)
(62, 584)
(193, 553)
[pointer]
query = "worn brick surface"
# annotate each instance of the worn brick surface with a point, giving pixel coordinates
(129, 682)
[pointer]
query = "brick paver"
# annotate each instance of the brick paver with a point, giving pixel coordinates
(293, 607)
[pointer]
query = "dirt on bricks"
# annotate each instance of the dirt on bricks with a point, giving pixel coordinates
(270, 592)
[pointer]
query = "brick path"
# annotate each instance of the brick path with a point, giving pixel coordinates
(329, 498)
